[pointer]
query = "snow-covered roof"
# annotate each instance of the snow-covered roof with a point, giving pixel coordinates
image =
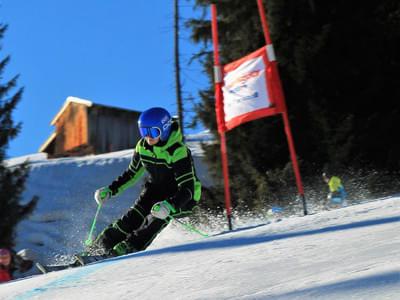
(67, 102)
(47, 142)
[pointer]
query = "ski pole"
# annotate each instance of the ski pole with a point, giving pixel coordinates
(89, 240)
(188, 226)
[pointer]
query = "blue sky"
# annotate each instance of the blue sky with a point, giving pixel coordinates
(117, 53)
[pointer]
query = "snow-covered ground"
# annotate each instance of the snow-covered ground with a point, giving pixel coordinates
(347, 253)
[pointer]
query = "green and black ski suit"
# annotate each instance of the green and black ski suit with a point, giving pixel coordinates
(171, 177)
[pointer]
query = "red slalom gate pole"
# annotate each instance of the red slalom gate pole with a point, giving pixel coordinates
(220, 114)
(284, 113)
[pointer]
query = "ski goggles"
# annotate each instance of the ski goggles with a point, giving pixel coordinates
(153, 132)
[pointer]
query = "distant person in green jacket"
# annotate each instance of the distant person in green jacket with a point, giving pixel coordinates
(171, 189)
(337, 194)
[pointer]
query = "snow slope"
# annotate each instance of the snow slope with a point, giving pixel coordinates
(348, 253)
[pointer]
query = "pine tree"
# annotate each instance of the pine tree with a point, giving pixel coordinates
(12, 181)
(337, 62)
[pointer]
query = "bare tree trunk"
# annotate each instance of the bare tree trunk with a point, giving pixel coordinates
(177, 69)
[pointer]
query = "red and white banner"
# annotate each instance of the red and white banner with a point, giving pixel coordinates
(249, 89)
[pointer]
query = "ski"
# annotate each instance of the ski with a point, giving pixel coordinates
(51, 268)
(87, 259)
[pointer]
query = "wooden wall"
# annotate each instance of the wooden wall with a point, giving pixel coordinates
(95, 129)
(112, 129)
(71, 129)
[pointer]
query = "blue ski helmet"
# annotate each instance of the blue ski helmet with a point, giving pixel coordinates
(155, 122)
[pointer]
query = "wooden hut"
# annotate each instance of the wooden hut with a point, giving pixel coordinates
(83, 127)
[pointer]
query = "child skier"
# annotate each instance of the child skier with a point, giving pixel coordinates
(172, 188)
(336, 195)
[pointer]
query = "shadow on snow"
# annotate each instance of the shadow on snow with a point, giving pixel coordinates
(244, 241)
(367, 283)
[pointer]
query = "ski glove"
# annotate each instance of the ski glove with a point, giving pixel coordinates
(161, 210)
(102, 195)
